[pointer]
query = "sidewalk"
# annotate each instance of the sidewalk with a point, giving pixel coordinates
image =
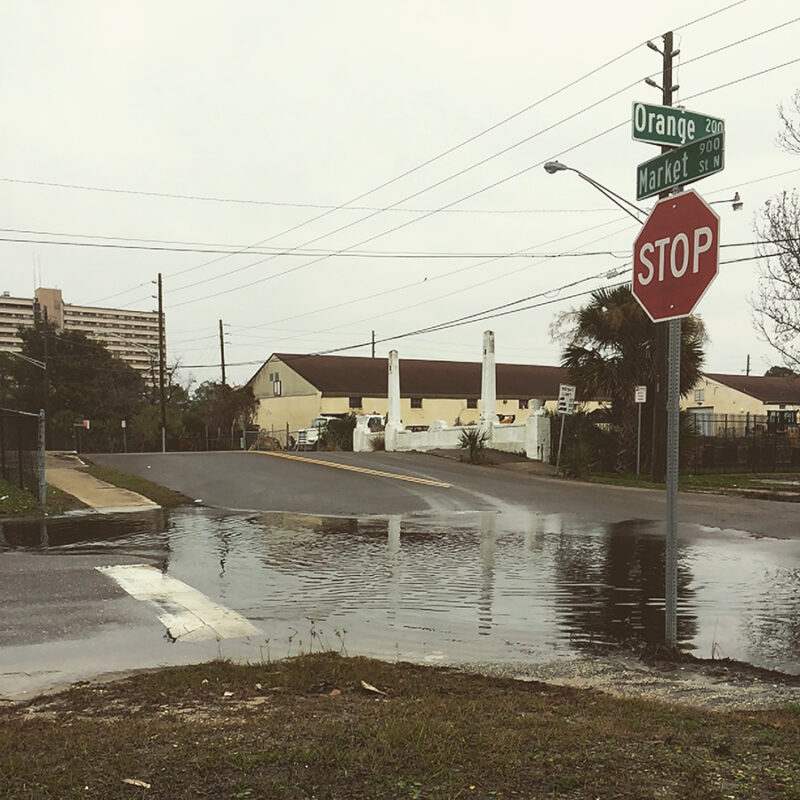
(62, 471)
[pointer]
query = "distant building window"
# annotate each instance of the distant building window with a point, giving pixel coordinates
(355, 402)
(523, 403)
(276, 388)
(472, 402)
(416, 402)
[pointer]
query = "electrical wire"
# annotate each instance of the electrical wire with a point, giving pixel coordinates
(435, 185)
(448, 205)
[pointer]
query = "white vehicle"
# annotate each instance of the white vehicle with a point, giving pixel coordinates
(308, 438)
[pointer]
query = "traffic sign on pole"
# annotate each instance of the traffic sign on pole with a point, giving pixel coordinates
(671, 126)
(566, 398)
(675, 256)
(683, 165)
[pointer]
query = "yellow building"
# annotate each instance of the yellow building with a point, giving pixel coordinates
(720, 401)
(292, 389)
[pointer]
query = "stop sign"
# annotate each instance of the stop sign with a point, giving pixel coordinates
(675, 256)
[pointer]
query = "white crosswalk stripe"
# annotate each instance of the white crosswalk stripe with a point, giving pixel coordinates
(186, 613)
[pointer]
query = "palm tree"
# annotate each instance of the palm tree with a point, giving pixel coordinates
(612, 349)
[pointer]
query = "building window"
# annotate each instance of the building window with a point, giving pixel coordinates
(416, 402)
(523, 403)
(276, 388)
(355, 402)
(472, 402)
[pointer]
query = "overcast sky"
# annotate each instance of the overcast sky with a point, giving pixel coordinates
(246, 126)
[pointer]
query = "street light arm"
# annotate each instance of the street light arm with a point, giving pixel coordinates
(34, 361)
(619, 201)
(552, 167)
(123, 340)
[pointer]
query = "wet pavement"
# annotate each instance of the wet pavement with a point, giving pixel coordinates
(493, 587)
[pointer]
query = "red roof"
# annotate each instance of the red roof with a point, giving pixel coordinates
(766, 389)
(357, 376)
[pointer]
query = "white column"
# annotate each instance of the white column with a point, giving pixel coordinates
(537, 432)
(393, 423)
(488, 415)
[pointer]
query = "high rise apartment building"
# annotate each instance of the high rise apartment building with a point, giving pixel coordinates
(131, 336)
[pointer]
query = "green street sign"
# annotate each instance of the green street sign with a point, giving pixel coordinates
(681, 166)
(670, 126)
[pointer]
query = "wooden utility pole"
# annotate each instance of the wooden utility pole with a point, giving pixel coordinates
(161, 366)
(222, 351)
(658, 457)
(373, 344)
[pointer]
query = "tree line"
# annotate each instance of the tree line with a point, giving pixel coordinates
(74, 378)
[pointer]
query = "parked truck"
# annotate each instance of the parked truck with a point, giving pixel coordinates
(308, 438)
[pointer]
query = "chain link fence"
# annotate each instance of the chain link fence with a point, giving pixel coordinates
(22, 450)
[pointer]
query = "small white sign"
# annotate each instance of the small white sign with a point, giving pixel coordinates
(566, 398)
(124, 424)
(640, 394)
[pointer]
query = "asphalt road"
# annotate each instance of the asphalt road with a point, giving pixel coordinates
(64, 620)
(312, 483)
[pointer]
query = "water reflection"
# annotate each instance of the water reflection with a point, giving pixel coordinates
(497, 586)
(141, 534)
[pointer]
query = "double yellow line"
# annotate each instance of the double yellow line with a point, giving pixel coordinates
(363, 470)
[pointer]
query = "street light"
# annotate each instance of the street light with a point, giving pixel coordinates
(551, 167)
(735, 201)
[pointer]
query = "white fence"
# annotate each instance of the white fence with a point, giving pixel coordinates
(531, 437)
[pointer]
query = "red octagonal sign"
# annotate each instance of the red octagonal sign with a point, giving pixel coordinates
(675, 256)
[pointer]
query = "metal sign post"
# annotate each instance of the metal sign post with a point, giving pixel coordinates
(640, 397)
(42, 459)
(673, 421)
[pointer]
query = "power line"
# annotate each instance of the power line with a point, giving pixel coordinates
(443, 208)
(455, 202)
(299, 253)
(480, 316)
(288, 204)
(348, 206)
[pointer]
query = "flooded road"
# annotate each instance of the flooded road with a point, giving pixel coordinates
(478, 586)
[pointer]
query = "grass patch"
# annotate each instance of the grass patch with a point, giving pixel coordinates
(152, 491)
(730, 483)
(16, 502)
(306, 728)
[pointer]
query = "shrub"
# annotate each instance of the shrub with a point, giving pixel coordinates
(338, 434)
(377, 443)
(586, 448)
(474, 441)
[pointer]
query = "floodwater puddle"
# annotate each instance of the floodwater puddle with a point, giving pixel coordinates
(507, 586)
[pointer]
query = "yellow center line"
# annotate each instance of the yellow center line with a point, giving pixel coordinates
(364, 470)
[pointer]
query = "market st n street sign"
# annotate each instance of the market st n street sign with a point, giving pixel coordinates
(671, 126)
(675, 256)
(681, 166)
